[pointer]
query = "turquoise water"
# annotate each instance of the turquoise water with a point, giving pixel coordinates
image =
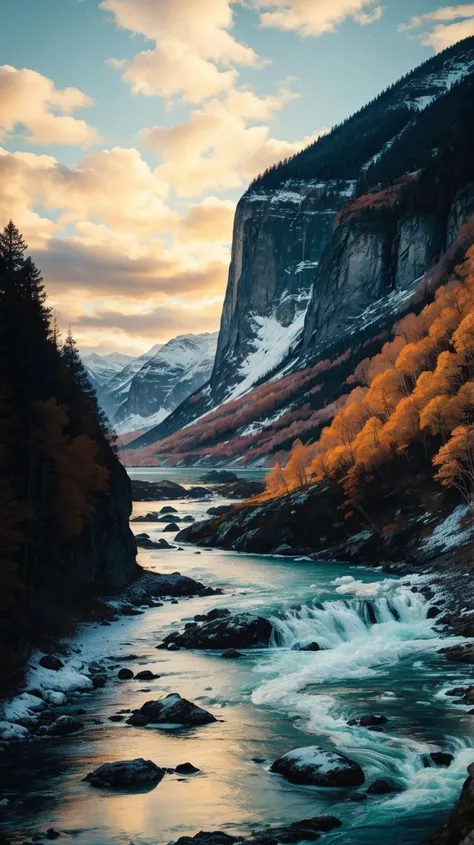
(380, 655)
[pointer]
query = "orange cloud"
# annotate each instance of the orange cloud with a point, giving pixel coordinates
(443, 27)
(30, 101)
(315, 17)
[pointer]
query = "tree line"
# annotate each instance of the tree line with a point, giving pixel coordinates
(55, 447)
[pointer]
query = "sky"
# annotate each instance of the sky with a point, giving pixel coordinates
(129, 129)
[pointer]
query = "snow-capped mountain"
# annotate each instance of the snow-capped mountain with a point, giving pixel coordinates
(115, 391)
(103, 367)
(179, 368)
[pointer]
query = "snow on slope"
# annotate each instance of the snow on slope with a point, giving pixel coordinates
(179, 368)
(115, 391)
(104, 367)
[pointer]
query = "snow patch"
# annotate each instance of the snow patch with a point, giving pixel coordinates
(447, 535)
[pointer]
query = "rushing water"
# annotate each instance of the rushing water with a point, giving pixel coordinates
(380, 655)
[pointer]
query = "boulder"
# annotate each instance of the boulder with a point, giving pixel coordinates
(146, 675)
(381, 787)
(371, 721)
(310, 647)
(441, 758)
(217, 613)
(55, 699)
(144, 541)
(49, 661)
(231, 654)
(125, 773)
(188, 518)
(199, 493)
(242, 630)
(305, 831)
(138, 720)
(459, 653)
(171, 526)
(63, 726)
(242, 489)
(155, 491)
(220, 510)
(99, 681)
(433, 612)
(186, 769)
(456, 692)
(219, 476)
(169, 517)
(315, 766)
(153, 516)
(125, 675)
(168, 509)
(174, 710)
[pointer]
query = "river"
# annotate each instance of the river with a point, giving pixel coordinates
(380, 655)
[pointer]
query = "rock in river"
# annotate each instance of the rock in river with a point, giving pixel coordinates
(172, 709)
(315, 766)
(369, 721)
(49, 661)
(126, 773)
(241, 630)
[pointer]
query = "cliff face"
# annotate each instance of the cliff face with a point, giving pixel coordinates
(278, 241)
(367, 260)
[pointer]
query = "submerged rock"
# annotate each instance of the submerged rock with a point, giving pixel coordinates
(242, 630)
(382, 787)
(442, 758)
(126, 773)
(231, 654)
(303, 831)
(317, 767)
(310, 647)
(174, 710)
(372, 720)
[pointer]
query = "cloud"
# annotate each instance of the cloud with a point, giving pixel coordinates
(164, 321)
(30, 102)
(115, 187)
(444, 26)
(194, 57)
(209, 220)
(315, 17)
(215, 149)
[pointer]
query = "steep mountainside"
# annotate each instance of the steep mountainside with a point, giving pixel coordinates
(178, 369)
(113, 392)
(402, 176)
(103, 367)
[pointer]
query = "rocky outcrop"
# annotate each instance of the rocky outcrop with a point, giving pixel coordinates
(241, 630)
(171, 709)
(315, 766)
(307, 830)
(460, 826)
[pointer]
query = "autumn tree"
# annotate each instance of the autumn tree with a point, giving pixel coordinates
(455, 462)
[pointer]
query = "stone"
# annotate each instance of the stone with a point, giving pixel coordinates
(125, 674)
(99, 681)
(442, 758)
(310, 647)
(199, 493)
(456, 692)
(146, 675)
(231, 654)
(219, 476)
(171, 526)
(242, 630)
(138, 772)
(358, 796)
(49, 661)
(219, 510)
(371, 720)
(186, 769)
(116, 718)
(380, 787)
(174, 709)
(433, 612)
(63, 726)
(188, 518)
(51, 833)
(168, 509)
(460, 653)
(316, 766)
(138, 720)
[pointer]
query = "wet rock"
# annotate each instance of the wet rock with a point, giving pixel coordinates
(372, 720)
(219, 476)
(219, 510)
(375, 729)
(456, 692)
(171, 526)
(310, 647)
(304, 831)
(144, 541)
(442, 758)
(138, 720)
(51, 833)
(116, 718)
(199, 493)
(49, 661)
(433, 612)
(381, 787)
(155, 491)
(317, 767)
(231, 654)
(217, 613)
(459, 653)
(174, 709)
(258, 760)
(146, 675)
(99, 681)
(54, 698)
(358, 796)
(152, 516)
(63, 726)
(242, 630)
(126, 773)
(461, 821)
(168, 509)
(172, 647)
(125, 675)
(188, 518)
(186, 769)
(242, 489)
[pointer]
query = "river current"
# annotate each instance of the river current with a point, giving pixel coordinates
(380, 655)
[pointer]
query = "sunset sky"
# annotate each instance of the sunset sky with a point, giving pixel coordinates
(129, 129)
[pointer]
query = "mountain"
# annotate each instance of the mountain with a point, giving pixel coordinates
(102, 367)
(329, 249)
(113, 392)
(177, 369)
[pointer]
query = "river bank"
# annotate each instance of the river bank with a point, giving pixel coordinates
(380, 653)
